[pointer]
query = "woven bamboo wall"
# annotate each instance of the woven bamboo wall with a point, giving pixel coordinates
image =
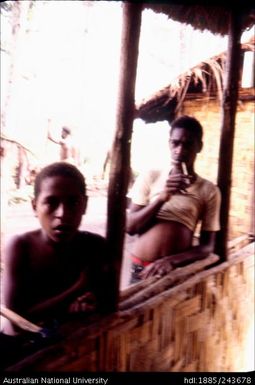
(207, 111)
(191, 320)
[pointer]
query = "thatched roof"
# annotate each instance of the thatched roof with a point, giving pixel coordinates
(206, 78)
(211, 16)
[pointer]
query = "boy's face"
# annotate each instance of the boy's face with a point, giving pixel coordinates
(59, 207)
(184, 146)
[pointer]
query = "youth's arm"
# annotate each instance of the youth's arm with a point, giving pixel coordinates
(164, 265)
(50, 137)
(205, 247)
(140, 217)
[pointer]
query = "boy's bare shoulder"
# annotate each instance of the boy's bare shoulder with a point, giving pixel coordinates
(15, 250)
(17, 242)
(24, 238)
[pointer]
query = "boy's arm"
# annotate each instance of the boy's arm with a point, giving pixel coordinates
(100, 291)
(60, 301)
(14, 295)
(104, 282)
(164, 265)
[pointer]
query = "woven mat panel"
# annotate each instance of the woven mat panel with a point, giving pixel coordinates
(232, 319)
(201, 324)
(204, 331)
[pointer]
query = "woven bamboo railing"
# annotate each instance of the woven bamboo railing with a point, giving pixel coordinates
(198, 318)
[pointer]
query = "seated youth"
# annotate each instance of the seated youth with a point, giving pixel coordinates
(166, 206)
(57, 269)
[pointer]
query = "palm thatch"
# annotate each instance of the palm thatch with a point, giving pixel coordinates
(212, 17)
(205, 78)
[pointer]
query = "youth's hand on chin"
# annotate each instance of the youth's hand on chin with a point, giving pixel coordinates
(158, 268)
(85, 303)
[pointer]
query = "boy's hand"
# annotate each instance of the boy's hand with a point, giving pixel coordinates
(85, 303)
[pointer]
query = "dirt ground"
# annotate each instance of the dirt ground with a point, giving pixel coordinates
(20, 218)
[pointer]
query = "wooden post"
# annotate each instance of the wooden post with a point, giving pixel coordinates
(120, 155)
(229, 106)
(252, 220)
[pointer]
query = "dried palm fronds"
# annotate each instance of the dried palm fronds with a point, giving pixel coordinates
(205, 78)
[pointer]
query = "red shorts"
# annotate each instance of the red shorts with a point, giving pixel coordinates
(139, 262)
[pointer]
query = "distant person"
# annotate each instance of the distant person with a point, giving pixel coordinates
(57, 270)
(68, 151)
(166, 206)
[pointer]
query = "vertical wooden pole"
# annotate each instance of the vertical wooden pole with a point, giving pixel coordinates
(229, 106)
(120, 162)
(252, 220)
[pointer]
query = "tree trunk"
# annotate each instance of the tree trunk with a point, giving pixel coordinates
(19, 13)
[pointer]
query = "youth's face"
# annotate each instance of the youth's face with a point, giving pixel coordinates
(59, 208)
(184, 146)
(64, 134)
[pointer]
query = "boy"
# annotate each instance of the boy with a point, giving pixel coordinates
(57, 269)
(167, 205)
